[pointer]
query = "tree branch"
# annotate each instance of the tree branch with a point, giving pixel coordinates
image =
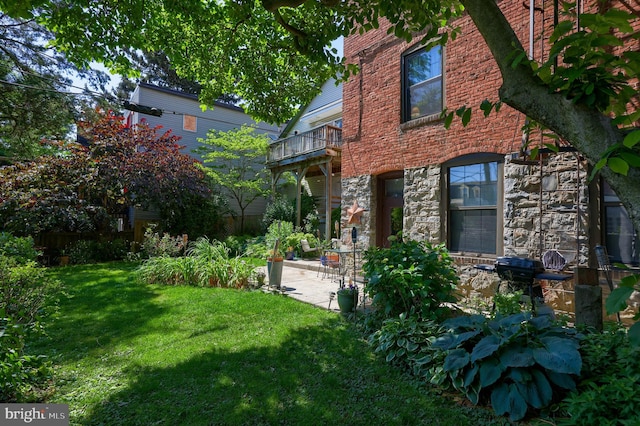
(588, 130)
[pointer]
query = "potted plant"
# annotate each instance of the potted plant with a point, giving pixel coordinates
(289, 254)
(64, 257)
(347, 297)
(274, 268)
(260, 277)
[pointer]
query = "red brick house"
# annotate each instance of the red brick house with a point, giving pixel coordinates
(468, 187)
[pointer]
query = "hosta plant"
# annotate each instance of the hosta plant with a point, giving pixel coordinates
(516, 362)
(407, 341)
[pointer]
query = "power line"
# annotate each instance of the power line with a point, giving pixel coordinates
(123, 102)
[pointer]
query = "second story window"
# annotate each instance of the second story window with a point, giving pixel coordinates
(422, 83)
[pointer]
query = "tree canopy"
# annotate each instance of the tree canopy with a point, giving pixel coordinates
(35, 84)
(274, 55)
(234, 160)
(83, 185)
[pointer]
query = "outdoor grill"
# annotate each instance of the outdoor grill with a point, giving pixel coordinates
(521, 272)
(518, 270)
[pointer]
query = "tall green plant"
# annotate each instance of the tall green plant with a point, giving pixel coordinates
(608, 391)
(234, 160)
(517, 362)
(24, 289)
(278, 230)
(617, 301)
(412, 277)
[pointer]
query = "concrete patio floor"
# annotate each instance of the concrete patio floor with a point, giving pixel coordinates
(303, 280)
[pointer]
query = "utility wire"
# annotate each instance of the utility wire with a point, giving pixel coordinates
(100, 95)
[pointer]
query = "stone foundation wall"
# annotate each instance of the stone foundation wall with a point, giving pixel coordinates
(422, 204)
(560, 222)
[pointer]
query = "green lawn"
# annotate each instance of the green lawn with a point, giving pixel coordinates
(130, 354)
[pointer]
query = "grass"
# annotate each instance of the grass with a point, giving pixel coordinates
(132, 354)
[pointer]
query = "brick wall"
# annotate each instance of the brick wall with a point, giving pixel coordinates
(375, 139)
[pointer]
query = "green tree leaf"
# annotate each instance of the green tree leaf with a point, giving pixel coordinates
(617, 300)
(618, 165)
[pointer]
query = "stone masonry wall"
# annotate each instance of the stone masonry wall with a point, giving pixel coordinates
(422, 201)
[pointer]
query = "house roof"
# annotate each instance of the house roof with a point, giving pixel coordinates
(187, 96)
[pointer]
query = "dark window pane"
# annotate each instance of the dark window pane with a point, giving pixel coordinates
(474, 185)
(621, 239)
(423, 79)
(473, 231)
(394, 187)
(396, 220)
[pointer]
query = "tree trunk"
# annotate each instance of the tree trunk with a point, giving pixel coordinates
(587, 130)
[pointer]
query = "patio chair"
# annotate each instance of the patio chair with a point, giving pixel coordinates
(553, 260)
(604, 265)
(306, 248)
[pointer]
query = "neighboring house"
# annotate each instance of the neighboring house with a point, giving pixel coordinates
(310, 148)
(181, 113)
(467, 187)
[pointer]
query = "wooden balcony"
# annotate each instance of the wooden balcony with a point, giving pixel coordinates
(308, 148)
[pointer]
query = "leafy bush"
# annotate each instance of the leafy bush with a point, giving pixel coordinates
(21, 249)
(24, 287)
(412, 277)
(91, 251)
(518, 361)
(278, 210)
(507, 303)
(257, 248)
(22, 376)
(278, 231)
(284, 210)
(197, 216)
(205, 264)
(608, 392)
(617, 301)
(155, 245)
(407, 342)
(293, 240)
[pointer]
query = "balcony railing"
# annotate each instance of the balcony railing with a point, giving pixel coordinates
(303, 143)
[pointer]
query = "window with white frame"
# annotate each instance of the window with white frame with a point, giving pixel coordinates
(620, 237)
(422, 83)
(474, 206)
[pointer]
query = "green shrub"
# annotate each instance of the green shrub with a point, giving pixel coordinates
(278, 210)
(516, 362)
(91, 251)
(608, 391)
(406, 341)
(19, 248)
(205, 264)
(22, 377)
(155, 245)
(257, 248)
(24, 289)
(293, 240)
(508, 303)
(278, 231)
(412, 277)
(617, 302)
